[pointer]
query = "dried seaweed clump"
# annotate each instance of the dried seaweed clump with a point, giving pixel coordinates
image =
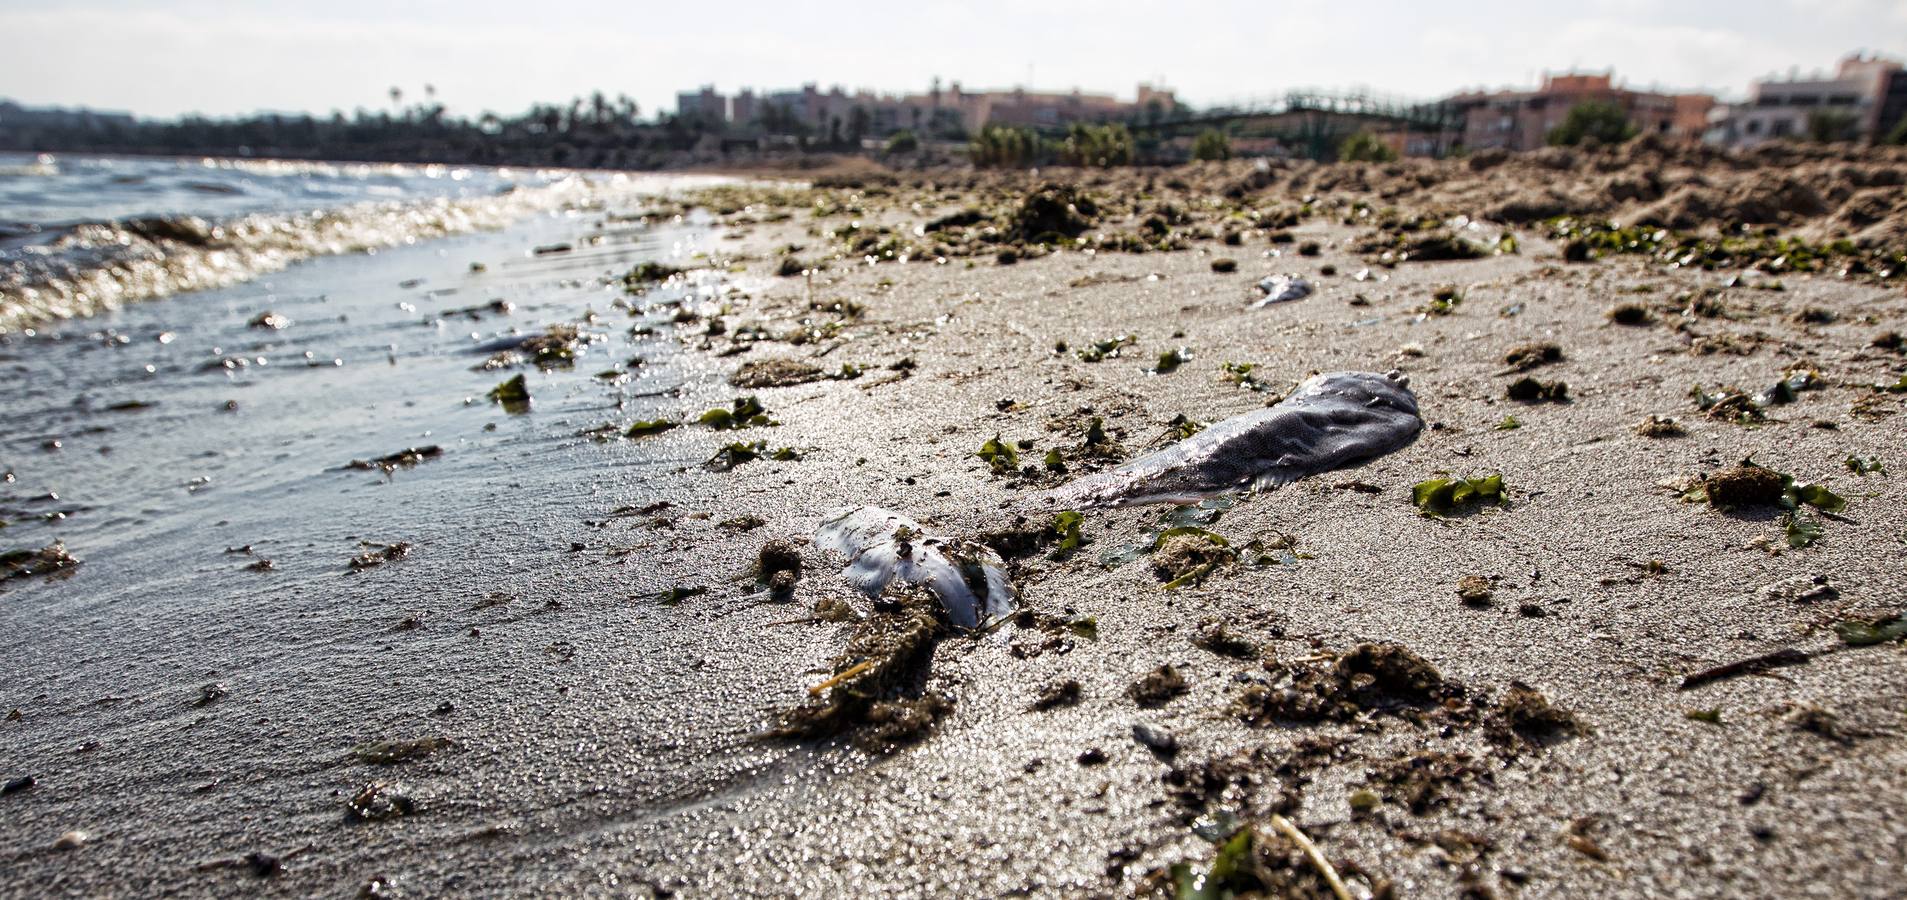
(1744, 486)
(44, 561)
(1529, 356)
(780, 372)
(1372, 677)
(1053, 211)
(1157, 687)
(1525, 719)
(877, 685)
(1188, 558)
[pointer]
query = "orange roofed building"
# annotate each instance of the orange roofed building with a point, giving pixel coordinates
(1522, 120)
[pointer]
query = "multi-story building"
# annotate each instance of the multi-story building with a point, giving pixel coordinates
(836, 112)
(705, 104)
(1865, 97)
(1522, 120)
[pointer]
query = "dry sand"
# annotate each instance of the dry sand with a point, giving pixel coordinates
(642, 773)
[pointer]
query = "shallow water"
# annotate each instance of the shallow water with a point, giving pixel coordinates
(80, 236)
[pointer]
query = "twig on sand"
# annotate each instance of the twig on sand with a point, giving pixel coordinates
(1312, 853)
(852, 671)
(1754, 665)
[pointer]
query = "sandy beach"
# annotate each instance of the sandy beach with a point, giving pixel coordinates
(567, 690)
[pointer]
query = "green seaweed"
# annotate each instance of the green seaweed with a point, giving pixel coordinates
(746, 412)
(1444, 496)
(1000, 456)
(1109, 348)
(1066, 527)
(1171, 360)
(649, 426)
(1800, 530)
(1857, 633)
(1864, 467)
(677, 593)
(513, 395)
(736, 454)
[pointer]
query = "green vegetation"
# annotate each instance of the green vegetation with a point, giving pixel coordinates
(1597, 120)
(1827, 126)
(1759, 251)
(1096, 146)
(998, 147)
(903, 143)
(1365, 147)
(1212, 144)
(1897, 136)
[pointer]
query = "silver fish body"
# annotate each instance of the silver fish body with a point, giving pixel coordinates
(884, 546)
(1330, 421)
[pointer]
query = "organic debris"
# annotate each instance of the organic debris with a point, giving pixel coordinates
(1660, 427)
(1055, 694)
(1529, 356)
(644, 427)
(1281, 289)
(1754, 665)
(744, 412)
(877, 680)
(1872, 630)
(1185, 555)
(405, 458)
(44, 561)
(1447, 496)
(1254, 861)
(770, 373)
(1421, 780)
(378, 801)
(649, 273)
(1107, 348)
(1525, 719)
(1530, 390)
(1157, 687)
(1214, 637)
(1630, 314)
(1475, 590)
(1371, 677)
(513, 395)
(999, 456)
(884, 547)
(379, 554)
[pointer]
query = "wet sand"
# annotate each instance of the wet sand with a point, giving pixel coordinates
(603, 741)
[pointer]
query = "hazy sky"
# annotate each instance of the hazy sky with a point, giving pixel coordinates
(165, 57)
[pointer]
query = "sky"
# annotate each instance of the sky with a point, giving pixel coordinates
(163, 58)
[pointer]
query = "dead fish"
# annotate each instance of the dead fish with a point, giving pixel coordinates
(882, 546)
(1331, 421)
(1280, 288)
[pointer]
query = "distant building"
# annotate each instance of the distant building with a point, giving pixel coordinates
(1866, 96)
(837, 112)
(704, 104)
(1522, 120)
